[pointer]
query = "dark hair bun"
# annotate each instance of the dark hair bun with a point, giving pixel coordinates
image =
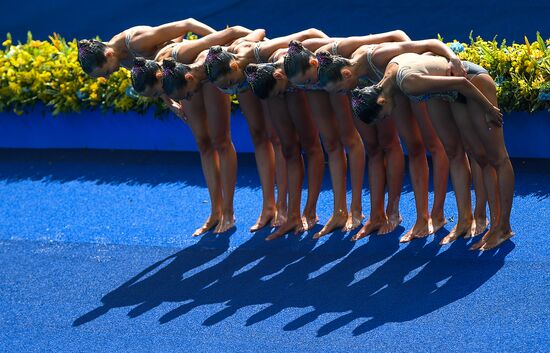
(364, 103)
(356, 93)
(251, 68)
(216, 49)
(169, 63)
(140, 61)
(296, 44)
(324, 57)
(323, 54)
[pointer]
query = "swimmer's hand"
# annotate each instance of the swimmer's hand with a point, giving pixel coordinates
(455, 68)
(175, 107)
(493, 117)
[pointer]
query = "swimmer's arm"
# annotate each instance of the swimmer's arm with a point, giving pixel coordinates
(180, 28)
(282, 42)
(255, 36)
(417, 84)
(324, 44)
(348, 45)
(189, 51)
(154, 36)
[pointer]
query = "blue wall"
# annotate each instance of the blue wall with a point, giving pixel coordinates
(92, 129)
(526, 135)
(510, 19)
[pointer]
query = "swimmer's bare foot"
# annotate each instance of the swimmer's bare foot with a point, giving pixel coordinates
(267, 215)
(393, 221)
(496, 238)
(480, 243)
(462, 229)
(309, 220)
(280, 216)
(421, 229)
(226, 222)
(354, 220)
(371, 226)
(479, 226)
(438, 222)
(212, 220)
(338, 220)
(294, 225)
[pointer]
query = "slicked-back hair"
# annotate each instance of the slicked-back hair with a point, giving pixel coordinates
(173, 75)
(144, 74)
(217, 62)
(330, 67)
(260, 78)
(364, 103)
(91, 54)
(296, 60)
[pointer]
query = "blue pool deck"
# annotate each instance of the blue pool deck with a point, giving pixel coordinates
(96, 255)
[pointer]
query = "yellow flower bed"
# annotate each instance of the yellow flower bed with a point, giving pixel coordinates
(521, 71)
(48, 72)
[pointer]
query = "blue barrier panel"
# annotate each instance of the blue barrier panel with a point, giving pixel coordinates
(508, 19)
(128, 131)
(526, 135)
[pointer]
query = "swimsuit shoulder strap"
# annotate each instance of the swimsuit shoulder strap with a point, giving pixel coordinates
(127, 40)
(402, 73)
(334, 48)
(129, 34)
(257, 53)
(375, 70)
(175, 50)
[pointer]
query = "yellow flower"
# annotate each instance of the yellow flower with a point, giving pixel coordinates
(14, 87)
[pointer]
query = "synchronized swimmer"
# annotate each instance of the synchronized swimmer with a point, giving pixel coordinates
(306, 91)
